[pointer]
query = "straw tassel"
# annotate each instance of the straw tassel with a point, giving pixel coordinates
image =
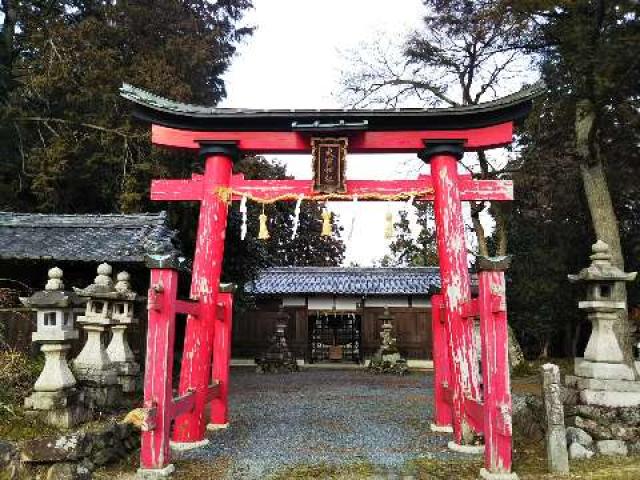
(263, 233)
(388, 226)
(326, 223)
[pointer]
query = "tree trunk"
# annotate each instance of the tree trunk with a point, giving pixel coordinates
(603, 217)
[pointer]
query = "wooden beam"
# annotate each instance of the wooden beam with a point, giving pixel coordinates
(183, 404)
(190, 307)
(175, 190)
(470, 309)
(470, 189)
(475, 414)
(191, 190)
(213, 390)
(410, 141)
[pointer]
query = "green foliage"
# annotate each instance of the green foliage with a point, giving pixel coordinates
(18, 373)
(420, 251)
(243, 259)
(584, 51)
(69, 143)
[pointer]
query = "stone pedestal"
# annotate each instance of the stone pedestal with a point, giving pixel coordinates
(60, 408)
(122, 358)
(97, 374)
(56, 374)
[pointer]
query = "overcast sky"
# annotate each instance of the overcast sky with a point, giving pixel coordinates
(294, 59)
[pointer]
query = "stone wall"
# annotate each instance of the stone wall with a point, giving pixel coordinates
(69, 456)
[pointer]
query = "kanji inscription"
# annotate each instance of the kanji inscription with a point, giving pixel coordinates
(329, 156)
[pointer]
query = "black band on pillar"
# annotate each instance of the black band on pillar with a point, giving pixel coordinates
(219, 147)
(439, 147)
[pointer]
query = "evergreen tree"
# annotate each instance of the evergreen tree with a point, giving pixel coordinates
(420, 251)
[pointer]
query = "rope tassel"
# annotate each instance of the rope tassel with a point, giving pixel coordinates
(326, 223)
(388, 226)
(263, 233)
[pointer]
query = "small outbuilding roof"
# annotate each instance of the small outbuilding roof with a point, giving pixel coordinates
(85, 238)
(346, 281)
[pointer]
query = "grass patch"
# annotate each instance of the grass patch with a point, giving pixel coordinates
(432, 469)
(18, 373)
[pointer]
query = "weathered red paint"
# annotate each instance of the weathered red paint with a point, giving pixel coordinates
(158, 397)
(495, 371)
(470, 189)
(474, 414)
(221, 360)
(362, 142)
(454, 274)
(207, 265)
(208, 336)
(440, 353)
(183, 404)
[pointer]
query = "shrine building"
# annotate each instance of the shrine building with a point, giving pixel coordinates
(334, 312)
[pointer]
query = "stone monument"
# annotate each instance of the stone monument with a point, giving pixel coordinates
(278, 358)
(119, 351)
(603, 378)
(556, 435)
(92, 367)
(387, 358)
(55, 395)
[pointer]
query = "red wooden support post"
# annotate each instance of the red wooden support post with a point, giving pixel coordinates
(441, 375)
(196, 358)
(495, 368)
(454, 274)
(158, 391)
(222, 359)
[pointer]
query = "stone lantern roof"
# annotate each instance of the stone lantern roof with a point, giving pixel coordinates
(103, 287)
(53, 295)
(601, 268)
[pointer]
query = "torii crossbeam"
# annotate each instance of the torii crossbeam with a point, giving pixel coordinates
(437, 136)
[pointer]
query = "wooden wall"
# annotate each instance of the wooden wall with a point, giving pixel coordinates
(253, 329)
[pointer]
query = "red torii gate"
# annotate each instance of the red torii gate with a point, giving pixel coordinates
(439, 137)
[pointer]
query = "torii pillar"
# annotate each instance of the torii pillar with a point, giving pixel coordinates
(443, 155)
(213, 192)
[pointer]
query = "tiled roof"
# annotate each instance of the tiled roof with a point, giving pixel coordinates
(170, 113)
(84, 238)
(346, 281)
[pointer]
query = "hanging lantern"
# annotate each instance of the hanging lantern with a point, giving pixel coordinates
(263, 233)
(326, 223)
(388, 226)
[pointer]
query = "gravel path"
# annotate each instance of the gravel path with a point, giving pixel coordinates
(324, 416)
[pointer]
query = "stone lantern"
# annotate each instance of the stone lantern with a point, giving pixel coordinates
(92, 366)
(604, 378)
(54, 393)
(278, 358)
(387, 358)
(118, 350)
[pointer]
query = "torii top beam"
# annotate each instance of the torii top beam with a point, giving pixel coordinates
(402, 130)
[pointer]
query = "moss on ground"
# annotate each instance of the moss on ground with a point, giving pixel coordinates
(327, 472)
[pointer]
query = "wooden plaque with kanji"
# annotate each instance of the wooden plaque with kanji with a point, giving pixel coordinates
(329, 157)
